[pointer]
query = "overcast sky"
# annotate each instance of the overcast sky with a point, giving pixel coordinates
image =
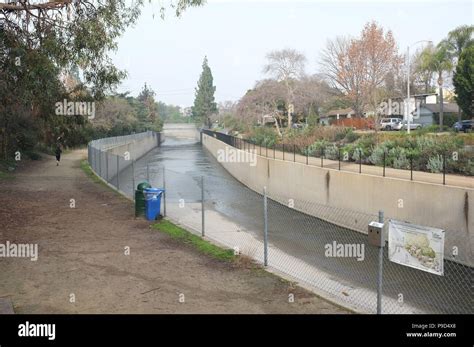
(236, 35)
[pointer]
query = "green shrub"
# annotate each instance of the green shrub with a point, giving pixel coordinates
(397, 158)
(435, 163)
(377, 155)
(348, 151)
(331, 152)
(264, 136)
(350, 136)
(433, 129)
(357, 153)
(315, 148)
(448, 119)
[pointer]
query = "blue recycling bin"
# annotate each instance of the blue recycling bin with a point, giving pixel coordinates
(152, 202)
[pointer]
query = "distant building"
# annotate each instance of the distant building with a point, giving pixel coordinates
(423, 108)
(334, 115)
(429, 113)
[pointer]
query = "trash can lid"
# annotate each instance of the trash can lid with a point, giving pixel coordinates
(153, 190)
(143, 185)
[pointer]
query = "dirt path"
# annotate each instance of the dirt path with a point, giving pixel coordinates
(82, 256)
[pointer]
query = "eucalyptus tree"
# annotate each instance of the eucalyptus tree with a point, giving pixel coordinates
(42, 40)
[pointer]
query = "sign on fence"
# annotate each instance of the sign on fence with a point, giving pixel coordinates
(416, 246)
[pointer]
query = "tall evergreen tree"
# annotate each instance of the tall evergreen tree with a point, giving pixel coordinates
(147, 98)
(204, 103)
(464, 81)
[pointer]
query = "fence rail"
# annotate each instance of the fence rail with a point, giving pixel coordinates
(408, 167)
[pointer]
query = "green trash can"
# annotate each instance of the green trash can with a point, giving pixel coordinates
(140, 199)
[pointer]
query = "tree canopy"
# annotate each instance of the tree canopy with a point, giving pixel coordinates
(464, 81)
(55, 50)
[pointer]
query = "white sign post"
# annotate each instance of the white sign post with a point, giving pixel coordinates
(416, 246)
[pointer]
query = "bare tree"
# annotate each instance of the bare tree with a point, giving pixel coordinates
(286, 66)
(311, 94)
(359, 67)
(265, 98)
(380, 53)
(342, 65)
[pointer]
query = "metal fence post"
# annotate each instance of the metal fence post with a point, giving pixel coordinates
(380, 272)
(339, 158)
(444, 169)
(107, 165)
(360, 160)
(283, 151)
(133, 179)
(118, 173)
(274, 150)
(95, 160)
(202, 207)
(384, 154)
(265, 227)
(322, 156)
(411, 168)
(266, 150)
(307, 155)
(294, 153)
(164, 193)
(100, 163)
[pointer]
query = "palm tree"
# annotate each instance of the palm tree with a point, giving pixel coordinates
(438, 60)
(459, 39)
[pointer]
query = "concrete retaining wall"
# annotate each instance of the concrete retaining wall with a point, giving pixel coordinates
(183, 131)
(136, 148)
(328, 193)
(107, 156)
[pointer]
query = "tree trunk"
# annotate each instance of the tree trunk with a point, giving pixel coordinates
(277, 126)
(441, 108)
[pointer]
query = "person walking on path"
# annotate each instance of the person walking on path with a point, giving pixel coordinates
(58, 153)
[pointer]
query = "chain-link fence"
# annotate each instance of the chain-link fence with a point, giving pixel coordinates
(318, 245)
(304, 238)
(114, 158)
(351, 274)
(306, 247)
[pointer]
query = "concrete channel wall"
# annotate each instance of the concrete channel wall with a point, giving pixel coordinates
(181, 131)
(136, 148)
(107, 156)
(445, 207)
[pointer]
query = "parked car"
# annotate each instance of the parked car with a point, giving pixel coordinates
(389, 123)
(464, 125)
(403, 125)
